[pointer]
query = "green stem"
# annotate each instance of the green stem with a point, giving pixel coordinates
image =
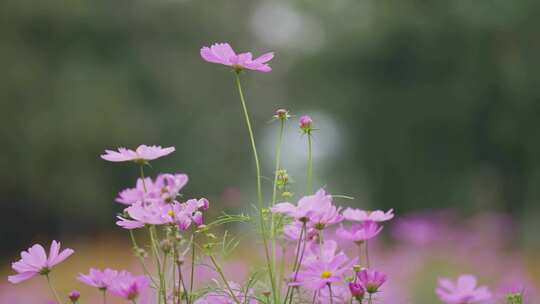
(163, 274)
(274, 196)
(259, 189)
(367, 255)
(192, 275)
(370, 299)
(104, 296)
(310, 166)
(51, 287)
(142, 177)
(153, 241)
(141, 258)
(297, 255)
(222, 275)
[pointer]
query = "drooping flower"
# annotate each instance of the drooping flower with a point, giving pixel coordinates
(35, 261)
(371, 280)
(98, 278)
(317, 210)
(142, 154)
(128, 286)
(359, 215)
(359, 233)
(323, 266)
(463, 291)
(223, 296)
(222, 53)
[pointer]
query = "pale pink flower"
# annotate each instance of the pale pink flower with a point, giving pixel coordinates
(142, 154)
(317, 210)
(35, 261)
(359, 232)
(128, 286)
(463, 291)
(306, 123)
(359, 215)
(223, 296)
(222, 53)
(98, 278)
(371, 279)
(322, 266)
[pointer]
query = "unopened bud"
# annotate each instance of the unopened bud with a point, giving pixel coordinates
(74, 296)
(166, 246)
(306, 124)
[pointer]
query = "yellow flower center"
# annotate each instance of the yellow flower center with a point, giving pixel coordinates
(326, 274)
(171, 213)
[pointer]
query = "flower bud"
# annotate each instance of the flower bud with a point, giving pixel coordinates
(166, 246)
(357, 291)
(306, 124)
(357, 268)
(74, 296)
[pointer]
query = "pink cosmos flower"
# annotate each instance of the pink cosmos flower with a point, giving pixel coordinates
(371, 280)
(359, 232)
(363, 215)
(464, 291)
(74, 296)
(357, 290)
(128, 286)
(316, 209)
(164, 190)
(292, 231)
(99, 279)
(322, 266)
(142, 154)
(222, 53)
(35, 261)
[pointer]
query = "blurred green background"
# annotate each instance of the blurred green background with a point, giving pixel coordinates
(420, 104)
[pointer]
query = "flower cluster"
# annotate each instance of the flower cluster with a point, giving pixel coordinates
(313, 234)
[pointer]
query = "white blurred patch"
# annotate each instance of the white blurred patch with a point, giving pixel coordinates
(280, 25)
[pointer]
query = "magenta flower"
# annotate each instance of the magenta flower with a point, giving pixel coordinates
(357, 290)
(316, 209)
(322, 266)
(142, 154)
(74, 296)
(359, 233)
(371, 280)
(464, 291)
(306, 123)
(128, 286)
(35, 261)
(363, 215)
(222, 53)
(99, 279)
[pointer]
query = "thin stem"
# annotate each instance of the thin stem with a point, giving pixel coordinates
(51, 287)
(310, 165)
(222, 275)
(182, 285)
(359, 253)
(367, 255)
(192, 275)
(315, 294)
(274, 196)
(297, 255)
(259, 189)
(142, 177)
(104, 296)
(141, 258)
(299, 261)
(330, 292)
(370, 299)
(151, 231)
(163, 273)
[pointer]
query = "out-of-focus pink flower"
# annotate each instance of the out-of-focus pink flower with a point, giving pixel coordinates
(35, 261)
(359, 232)
(371, 280)
(322, 266)
(222, 53)
(164, 190)
(224, 296)
(292, 232)
(359, 215)
(74, 296)
(98, 278)
(142, 154)
(357, 290)
(128, 286)
(316, 209)
(462, 291)
(306, 123)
